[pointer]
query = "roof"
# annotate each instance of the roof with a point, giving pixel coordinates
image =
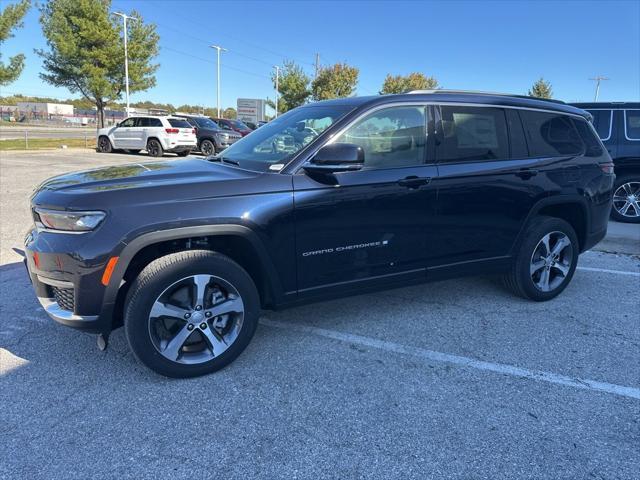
(480, 98)
(612, 105)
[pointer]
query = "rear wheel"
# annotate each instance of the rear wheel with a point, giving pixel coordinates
(154, 149)
(546, 260)
(626, 199)
(104, 145)
(207, 148)
(191, 313)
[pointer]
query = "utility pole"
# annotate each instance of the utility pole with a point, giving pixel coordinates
(218, 48)
(598, 79)
(126, 55)
(317, 64)
(277, 84)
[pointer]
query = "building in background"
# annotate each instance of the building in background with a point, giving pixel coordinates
(251, 110)
(45, 110)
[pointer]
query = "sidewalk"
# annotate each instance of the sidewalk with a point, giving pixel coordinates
(621, 238)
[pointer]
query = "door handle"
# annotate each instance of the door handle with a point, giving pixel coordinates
(526, 173)
(414, 182)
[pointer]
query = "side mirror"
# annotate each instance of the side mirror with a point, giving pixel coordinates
(336, 157)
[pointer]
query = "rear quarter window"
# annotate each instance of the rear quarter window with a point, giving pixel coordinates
(602, 120)
(178, 123)
(550, 135)
(588, 136)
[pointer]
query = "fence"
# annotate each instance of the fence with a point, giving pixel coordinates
(15, 138)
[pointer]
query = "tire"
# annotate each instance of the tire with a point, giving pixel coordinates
(104, 145)
(154, 148)
(526, 277)
(169, 279)
(207, 147)
(184, 154)
(626, 199)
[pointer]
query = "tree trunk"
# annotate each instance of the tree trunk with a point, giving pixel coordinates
(100, 113)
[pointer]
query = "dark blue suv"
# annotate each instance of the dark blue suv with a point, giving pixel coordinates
(330, 199)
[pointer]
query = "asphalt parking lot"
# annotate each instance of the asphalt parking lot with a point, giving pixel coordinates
(455, 379)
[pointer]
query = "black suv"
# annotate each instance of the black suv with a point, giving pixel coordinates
(330, 199)
(211, 138)
(618, 125)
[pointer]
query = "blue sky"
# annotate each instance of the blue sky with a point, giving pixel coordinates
(494, 46)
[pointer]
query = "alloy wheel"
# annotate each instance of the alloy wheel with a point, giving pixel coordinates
(103, 144)
(626, 199)
(551, 261)
(207, 148)
(153, 148)
(196, 319)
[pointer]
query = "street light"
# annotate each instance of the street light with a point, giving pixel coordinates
(218, 48)
(598, 79)
(277, 81)
(126, 59)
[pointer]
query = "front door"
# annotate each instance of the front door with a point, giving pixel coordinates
(368, 226)
(122, 133)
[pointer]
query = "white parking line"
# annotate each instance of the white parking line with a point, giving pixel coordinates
(467, 362)
(606, 270)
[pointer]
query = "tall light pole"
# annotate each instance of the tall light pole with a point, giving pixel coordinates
(218, 48)
(277, 84)
(598, 79)
(126, 56)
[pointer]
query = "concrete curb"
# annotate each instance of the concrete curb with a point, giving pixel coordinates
(621, 238)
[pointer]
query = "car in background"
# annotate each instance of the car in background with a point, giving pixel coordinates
(251, 125)
(618, 126)
(156, 135)
(235, 125)
(211, 137)
(262, 123)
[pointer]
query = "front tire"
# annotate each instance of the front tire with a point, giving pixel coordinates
(207, 148)
(191, 313)
(545, 261)
(626, 199)
(104, 145)
(154, 148)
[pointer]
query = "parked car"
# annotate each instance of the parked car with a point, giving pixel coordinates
(334, 198)
(211, 138)
(235, 125)
(251, 125)
(156, 135)
(261, 123)
(618, 125)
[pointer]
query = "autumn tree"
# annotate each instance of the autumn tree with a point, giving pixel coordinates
(336, 81)
(406, 83)
(541, 89)
(10, 19)
(86, 51)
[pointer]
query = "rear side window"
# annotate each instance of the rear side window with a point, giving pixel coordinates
(149, 122)
(178, 123)
(550, 135)
(602, 120)
(593, 146)
(472, 133)
(632, 124)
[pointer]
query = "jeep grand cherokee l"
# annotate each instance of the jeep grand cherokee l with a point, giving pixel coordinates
(329, 199)
(618, 125)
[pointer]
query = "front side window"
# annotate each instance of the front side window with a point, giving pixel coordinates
(602, 122)
(550, 134)
(632, 124)
(471, 134)
(393, 137)
(280, 139)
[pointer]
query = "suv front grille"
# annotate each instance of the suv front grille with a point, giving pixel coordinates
(64, 298)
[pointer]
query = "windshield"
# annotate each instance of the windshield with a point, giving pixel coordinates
(280, 139)
(238, 124)
(205, 122)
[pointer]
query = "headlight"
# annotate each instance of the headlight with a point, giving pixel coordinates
(223, 136)
(70, 221)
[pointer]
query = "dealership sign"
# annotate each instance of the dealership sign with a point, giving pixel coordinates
(251, 109)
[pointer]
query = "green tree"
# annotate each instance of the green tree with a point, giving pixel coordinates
(230, 113)
(293, 87)
(337, 81)
(10, 19)
(541, 89)
(406, 83)
(86, 51)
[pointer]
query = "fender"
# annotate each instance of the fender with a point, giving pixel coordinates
(548, 201)
(138, 243)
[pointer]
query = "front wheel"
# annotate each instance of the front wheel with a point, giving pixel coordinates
(104, 145)
(154, 149)
(546, 260)
(626, 199)
(207, 148)
(191, 313)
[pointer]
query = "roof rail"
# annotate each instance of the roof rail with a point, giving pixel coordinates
(477, 92)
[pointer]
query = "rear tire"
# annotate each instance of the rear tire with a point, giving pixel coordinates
(104, 145)
(154, 148)
(203, 301)
(545, 261)
(626, 199)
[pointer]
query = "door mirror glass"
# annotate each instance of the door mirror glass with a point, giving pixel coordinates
(337, 157)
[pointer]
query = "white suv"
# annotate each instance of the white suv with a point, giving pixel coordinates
(156, 135)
